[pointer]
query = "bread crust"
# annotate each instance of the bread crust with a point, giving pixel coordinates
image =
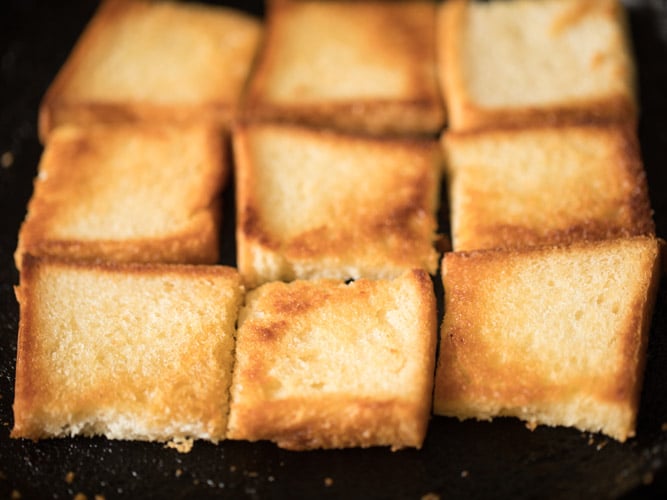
(396, 37)
(137, 193)
(153, 367)
(492, 363)
(209, 87)
(466, 113)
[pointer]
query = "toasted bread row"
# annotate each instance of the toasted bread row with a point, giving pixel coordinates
(150, 356)
(154, 353)
(372, 67)
(322, 204)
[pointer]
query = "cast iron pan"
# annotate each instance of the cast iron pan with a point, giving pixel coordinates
(467, 460)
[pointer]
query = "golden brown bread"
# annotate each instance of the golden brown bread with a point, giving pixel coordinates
(318, 204)
(551, 335)
(139, 193)
(545, 185)
(154, 61)
(355, 66)
(147, 356)
(324, 364)
(509, 63)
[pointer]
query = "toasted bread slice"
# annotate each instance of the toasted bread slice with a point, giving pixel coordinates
(317, 204)
(518, 62)
(324, 364)
(147, 356)
(127, 193)
(154, 61)
(549, 185)
(554, 336)
(355, 66)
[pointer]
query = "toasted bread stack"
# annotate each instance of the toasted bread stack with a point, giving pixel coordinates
(128, 193)
(324, 364)
(128, 351)
(551, 282)
(315, 204)
(154, 62)
(524, 62)
(364, 66)
(325, 335)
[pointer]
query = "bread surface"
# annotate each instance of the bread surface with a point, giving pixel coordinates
(554, 336)
(324, 364)
(356, 66)
(139, 193)
(318, 204)
(156, 62)
(518, 62)
(147, 356)
(545, 185)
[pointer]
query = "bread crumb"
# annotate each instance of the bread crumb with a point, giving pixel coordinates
(430, 496)
(663, 427)
(464, 474)
(16, 494)
(531, 425)
(647, 478)
(7, 159)
(232, 468)
(601, 445)
(178, 473)
(100, 497)
(328, 481)
(69, 477)
(80, 496)
(181, 444)
(591, 441)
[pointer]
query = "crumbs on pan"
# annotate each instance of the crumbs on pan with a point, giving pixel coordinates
(464, 474)
(430, 496)
(180, 444)
(178, 472)
(16, 494)
(328, 482)
(7, 159)
(69, 477)
(80, 496)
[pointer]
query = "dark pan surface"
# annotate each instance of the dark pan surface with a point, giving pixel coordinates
(467, 460)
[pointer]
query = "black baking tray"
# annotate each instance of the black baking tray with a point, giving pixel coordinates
(467, 460)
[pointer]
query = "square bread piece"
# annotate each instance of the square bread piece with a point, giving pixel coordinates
(537, 186)
(355, 66)
(154, 61)
(324, 364)
(553, 336)
(318, 204)
(506, 63)
(127, 193)
(147, 356)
